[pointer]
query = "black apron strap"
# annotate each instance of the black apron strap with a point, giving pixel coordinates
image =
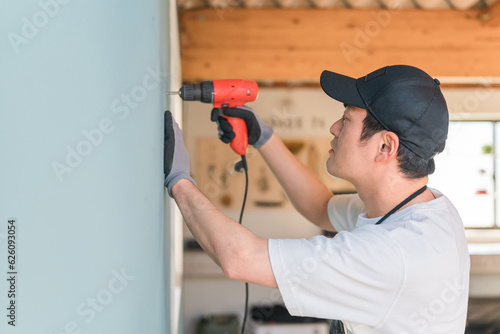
(336, 326)
(403, 203)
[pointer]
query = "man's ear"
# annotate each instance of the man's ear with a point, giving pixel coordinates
(388, 147)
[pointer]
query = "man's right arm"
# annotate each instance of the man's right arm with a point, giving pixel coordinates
(305, 190)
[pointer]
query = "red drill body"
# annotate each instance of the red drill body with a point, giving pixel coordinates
(225, 94)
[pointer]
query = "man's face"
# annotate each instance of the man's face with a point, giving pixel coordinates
(349, 158)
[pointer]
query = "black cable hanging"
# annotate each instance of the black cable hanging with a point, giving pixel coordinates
(242, 165)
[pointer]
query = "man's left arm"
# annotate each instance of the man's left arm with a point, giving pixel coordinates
(242, 255)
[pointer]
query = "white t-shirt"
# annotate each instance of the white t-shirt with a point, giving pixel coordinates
(409, 274)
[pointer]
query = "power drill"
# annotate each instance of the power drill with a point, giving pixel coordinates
(224, 94)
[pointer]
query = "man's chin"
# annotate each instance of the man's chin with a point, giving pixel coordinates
(333, 171)
(330, 168)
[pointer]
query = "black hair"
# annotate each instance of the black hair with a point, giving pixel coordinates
(411, 165)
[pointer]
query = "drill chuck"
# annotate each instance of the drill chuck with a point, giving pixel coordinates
(203, 92)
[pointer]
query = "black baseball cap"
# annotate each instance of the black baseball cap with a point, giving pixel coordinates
(404, 99)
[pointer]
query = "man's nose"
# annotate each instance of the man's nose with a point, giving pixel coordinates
(336, 127)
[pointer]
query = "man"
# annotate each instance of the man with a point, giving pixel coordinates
(400, 262)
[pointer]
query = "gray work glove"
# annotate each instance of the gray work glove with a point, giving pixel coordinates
(258, 131)
(176, 160)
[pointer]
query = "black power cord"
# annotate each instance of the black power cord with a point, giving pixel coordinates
(241, 166)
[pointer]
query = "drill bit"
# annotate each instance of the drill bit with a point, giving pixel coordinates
(177, 92)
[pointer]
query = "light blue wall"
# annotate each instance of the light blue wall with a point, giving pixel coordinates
(81, 166)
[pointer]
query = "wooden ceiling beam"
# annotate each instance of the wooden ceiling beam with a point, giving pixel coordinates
(296, 45)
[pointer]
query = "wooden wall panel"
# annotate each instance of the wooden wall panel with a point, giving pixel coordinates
(283, 45)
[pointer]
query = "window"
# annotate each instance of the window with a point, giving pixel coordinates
(466, 172)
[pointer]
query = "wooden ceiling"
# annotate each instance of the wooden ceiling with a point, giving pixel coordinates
(294, 45)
